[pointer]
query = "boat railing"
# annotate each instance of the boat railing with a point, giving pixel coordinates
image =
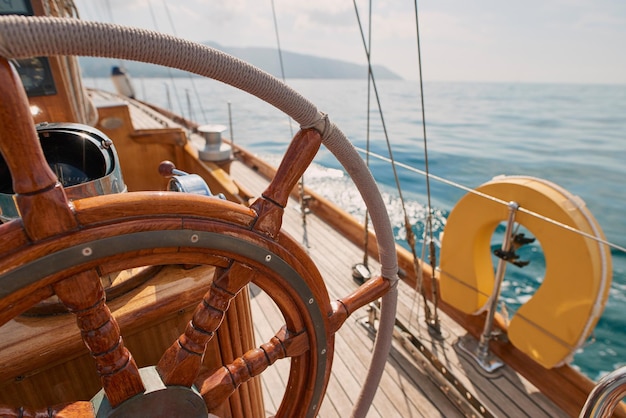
(606, 395)
(492, 198)
(479, 350)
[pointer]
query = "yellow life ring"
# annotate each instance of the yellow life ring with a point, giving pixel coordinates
(563, 311)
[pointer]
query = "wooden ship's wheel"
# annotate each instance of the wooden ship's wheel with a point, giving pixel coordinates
(61, 247)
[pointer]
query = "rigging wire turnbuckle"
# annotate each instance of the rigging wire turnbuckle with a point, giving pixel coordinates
(304, 203)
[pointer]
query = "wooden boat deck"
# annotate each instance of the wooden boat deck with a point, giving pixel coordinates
(411, 385)
(407, 389)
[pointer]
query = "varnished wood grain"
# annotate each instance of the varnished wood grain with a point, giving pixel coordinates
(84, 296)
(180, 364)
(140, 314)
(69, 410)
(59, 107)
(370, 291)
(297, 158)
(138, 130)
(565, 386)
(273, 283)
(217, 386)
(89, 211)
(41, 200)
(56, 339)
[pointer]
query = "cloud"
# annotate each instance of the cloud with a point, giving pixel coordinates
(541, 40)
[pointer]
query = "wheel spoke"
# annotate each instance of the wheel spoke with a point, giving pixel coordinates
(250, 247)
(180, 364)
(298, 157)
(36, 187)
(216, 387)
(364, 294)
(84, 296)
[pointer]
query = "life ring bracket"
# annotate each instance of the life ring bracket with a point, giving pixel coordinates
(560, 315)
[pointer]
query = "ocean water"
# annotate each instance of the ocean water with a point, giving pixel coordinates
(572, 135)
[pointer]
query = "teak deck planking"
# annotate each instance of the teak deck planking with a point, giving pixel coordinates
(406, 390)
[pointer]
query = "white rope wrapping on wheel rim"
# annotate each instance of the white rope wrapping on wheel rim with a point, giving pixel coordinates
(22, 37)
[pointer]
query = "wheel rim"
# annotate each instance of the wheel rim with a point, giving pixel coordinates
(255, 83)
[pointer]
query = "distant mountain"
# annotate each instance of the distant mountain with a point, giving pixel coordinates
(296, 65)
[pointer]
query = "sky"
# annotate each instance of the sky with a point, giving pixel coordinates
(565, 41)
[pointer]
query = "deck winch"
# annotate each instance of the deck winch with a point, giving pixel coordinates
(215, 149)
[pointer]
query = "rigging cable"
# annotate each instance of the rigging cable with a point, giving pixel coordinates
(432, 257)
(280, 55)
(169, 17)
(492, 198)
(109, 12)
(407, 224)
(301, 192)
(169, 70)
(367, 137)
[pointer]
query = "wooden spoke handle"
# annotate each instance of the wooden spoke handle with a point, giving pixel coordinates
(180, 364)
(38, 191)
(364, 294)
(218, 386)
(19, 142)
(83, 295)
(298, 157)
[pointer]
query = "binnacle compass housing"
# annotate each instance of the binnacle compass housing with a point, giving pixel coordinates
(82, 157)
